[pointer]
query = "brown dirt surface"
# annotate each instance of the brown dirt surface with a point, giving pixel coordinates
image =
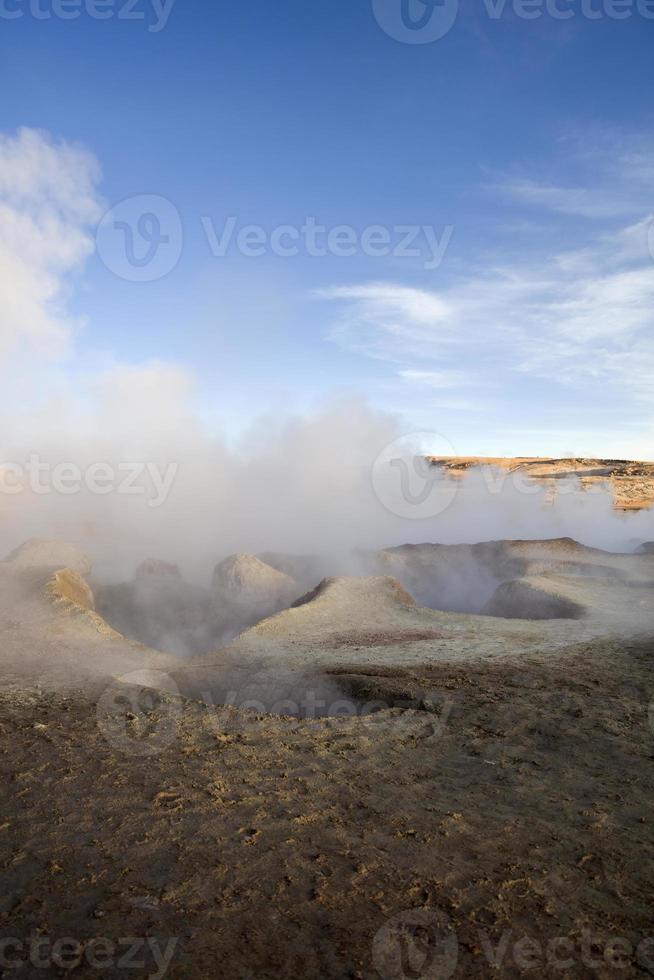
(489, 781)
(518, 806)
(382, 638)
(631, 481)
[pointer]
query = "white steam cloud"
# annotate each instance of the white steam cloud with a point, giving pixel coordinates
(300, 485)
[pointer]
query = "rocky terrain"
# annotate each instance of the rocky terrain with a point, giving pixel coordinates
(631, 482)
(441, 767)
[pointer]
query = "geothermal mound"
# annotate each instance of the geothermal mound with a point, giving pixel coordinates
(161, 609)
(523, 597)
(158, 608)
(352, 755)
(531, 599)
(44, 552)
(52, 638)
(432, 603)
(247, 590)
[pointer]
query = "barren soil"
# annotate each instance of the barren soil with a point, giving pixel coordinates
(273, 847)
(631, 481)
(490, 785)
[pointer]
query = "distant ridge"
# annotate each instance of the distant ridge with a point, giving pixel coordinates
(631, 481)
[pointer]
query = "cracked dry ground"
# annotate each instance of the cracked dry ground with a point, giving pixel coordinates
(276, 848)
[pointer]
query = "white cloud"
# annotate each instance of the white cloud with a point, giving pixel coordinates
(582, 201)
(434, 379)
(377, 316)
(613, 178)
(420, 306)
(581, 318)
(48, 200)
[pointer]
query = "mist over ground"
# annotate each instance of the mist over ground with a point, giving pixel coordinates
(324, 484)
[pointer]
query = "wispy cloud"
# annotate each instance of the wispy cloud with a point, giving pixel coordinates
(435, 379)
(378, 316)
(613, 179)
(581, 201)
(583, 317)
(525, 328)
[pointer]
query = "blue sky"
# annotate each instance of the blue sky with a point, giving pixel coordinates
(528, 144)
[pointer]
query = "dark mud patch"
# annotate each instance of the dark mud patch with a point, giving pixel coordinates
(380, 638)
